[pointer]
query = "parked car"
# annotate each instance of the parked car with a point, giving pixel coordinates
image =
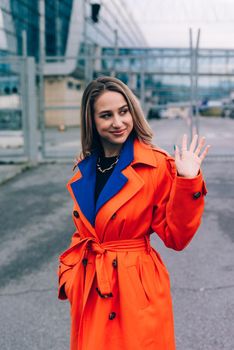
(168, 112)
(154, 113)
(175, 112)
(228, 111)
(211, 109)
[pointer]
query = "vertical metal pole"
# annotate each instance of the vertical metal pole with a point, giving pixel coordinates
(91, 62)
(116, 41)
(196, 83)
(41, 75)
(24, 90)
(24, 43)
(97, 65)
(142, 85)
(86, 53)
(58, 29)
(87, 65)
(116, 51)
(191, 81)
(31, 111)
(24, 103)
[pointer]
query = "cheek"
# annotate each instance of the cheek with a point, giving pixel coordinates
(101, 125)
(130, 122)
(97, 123)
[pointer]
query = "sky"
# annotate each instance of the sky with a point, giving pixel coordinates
(166, 23)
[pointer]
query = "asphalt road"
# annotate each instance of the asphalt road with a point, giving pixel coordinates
(36, 225)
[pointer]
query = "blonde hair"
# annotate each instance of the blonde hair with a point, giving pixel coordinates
(90, 140)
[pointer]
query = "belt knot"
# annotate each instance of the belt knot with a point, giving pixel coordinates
(96, 247)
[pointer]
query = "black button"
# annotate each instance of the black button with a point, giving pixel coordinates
(114, 263)
(85, 261)
(75, 213)
(113, 216)
(197, 195)
(112, 315)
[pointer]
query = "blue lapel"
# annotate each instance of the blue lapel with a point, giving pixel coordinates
(117, 180)
(84, 188)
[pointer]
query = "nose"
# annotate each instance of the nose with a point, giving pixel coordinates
(117, 123)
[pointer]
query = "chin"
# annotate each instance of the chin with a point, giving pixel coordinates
(119, 140)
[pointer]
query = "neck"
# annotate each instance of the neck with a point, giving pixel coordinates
(111, 151)
(110, 154)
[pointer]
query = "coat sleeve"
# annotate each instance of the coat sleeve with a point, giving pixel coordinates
(178, 206)
(65, 271)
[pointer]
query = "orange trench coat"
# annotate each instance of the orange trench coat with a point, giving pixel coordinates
(117, 284)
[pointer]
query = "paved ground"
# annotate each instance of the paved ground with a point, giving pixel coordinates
(36, 225)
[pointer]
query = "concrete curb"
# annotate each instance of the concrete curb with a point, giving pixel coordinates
(9, 171)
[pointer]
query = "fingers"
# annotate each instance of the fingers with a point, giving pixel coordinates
(184, 143)
(193, 148)
(177, 152)
(199, 148)
(204, 153)
(200, 145)
(193, 143)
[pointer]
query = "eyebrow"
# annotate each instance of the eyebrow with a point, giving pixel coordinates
(108, 111)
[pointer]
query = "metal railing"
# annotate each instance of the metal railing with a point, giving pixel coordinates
(18, 115)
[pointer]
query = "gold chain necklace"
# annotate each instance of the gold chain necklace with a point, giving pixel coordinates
(109, 168)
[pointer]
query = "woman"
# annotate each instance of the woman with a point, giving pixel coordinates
(126, 189)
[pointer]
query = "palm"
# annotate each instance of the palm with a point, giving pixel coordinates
(188, 161)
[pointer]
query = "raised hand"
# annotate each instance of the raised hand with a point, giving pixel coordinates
(188, 161)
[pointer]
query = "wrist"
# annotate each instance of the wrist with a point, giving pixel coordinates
(188, 176)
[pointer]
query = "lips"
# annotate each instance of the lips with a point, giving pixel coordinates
(118, 132)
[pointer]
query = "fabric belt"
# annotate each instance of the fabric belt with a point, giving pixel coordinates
(76, 253)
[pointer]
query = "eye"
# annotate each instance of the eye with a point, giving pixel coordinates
(106, 115)
(124, 111)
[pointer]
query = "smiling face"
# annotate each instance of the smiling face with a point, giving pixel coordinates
(113, 121)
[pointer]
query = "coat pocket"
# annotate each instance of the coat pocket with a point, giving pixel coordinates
(73, 280)
(67, 290)
(137, 287)
(158, 260)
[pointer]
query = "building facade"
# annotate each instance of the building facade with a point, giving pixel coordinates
(60, 35)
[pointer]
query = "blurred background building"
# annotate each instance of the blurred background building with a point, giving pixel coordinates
(60, 32)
